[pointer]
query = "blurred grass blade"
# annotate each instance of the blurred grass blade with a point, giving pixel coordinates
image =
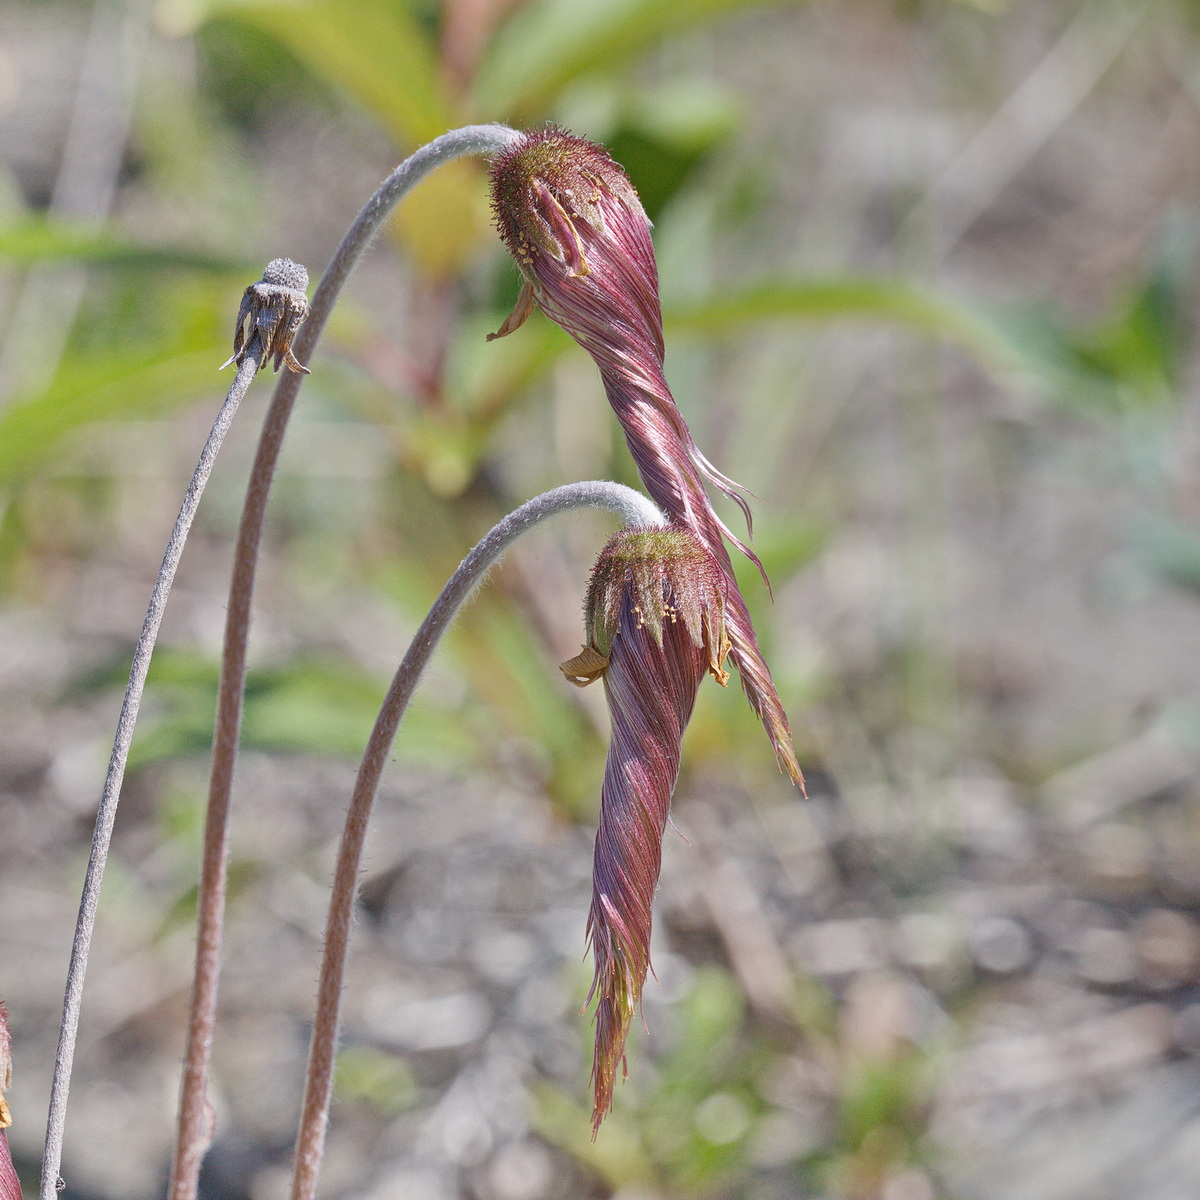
(547, 45)
(116, 387)
(373, 49)
(308, 706)
(28, 240)
(850, 297)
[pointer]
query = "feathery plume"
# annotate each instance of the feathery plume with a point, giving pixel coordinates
(655, 624)
(10, 1185)
(573, 221)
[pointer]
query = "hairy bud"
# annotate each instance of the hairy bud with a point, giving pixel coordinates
(580, 237)
(655, 617)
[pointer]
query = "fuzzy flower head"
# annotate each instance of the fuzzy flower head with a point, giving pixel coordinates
(580, 237)
(655, 616)
(667, 577)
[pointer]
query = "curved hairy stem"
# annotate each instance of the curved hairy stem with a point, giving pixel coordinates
(107, 813)
(633, 509)
(195, 1133)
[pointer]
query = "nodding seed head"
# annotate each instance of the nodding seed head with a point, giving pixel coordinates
(273, 309)
(577, 230)
(581, 239)
(545, 185)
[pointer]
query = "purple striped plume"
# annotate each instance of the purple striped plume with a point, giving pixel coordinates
(655, 624)
(10, 1185)
(581, 239)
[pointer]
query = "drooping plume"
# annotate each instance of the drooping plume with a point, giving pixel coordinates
(655, 625)
(10, 1185)
(581, 239)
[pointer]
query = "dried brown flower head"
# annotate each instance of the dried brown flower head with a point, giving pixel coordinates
(273, 308)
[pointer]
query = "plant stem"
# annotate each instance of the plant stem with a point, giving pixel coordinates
(195, 1126)
(634, 509)
(107, 813)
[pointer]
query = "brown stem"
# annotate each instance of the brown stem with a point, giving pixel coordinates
(195, 1124)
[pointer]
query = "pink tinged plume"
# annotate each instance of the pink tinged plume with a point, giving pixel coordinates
(655, 625)
(10, 1185)
(581, 239)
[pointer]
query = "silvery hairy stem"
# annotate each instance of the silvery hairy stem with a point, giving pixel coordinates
(634, 510)
(107, 812)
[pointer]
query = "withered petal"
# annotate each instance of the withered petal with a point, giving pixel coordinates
(586, 667)
(519, 315)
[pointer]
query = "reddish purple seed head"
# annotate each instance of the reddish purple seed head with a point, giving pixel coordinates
(548, 183)
(655, 614)
(663, 606)
(10, 1185)
(580, 236)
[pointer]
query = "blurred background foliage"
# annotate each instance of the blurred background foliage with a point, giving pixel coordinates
(928, 274)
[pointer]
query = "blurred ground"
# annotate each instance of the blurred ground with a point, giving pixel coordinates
(969, 965)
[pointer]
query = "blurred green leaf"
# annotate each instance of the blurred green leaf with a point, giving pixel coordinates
(509, 665)
(104, 387)
(442, 222)
(547, 45)
(248, 74)
(314, 707)
(850, 297)
(880, 1093)
(493, 644)
(617, 1156)
(663, 136)
(367, 1075)
(659, 167)
(1110, 369)
(373, 49)
(684, 1132)
(1133, 359)
(1140, 351)
(783, 548)
(308, 706)
(488, 375)
(240, 877)
(713, 1012)
(27, 240)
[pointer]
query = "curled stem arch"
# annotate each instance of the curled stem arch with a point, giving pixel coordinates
(634, 509)
(194, 1132)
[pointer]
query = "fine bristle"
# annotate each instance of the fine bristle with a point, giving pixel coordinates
(282, 272)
